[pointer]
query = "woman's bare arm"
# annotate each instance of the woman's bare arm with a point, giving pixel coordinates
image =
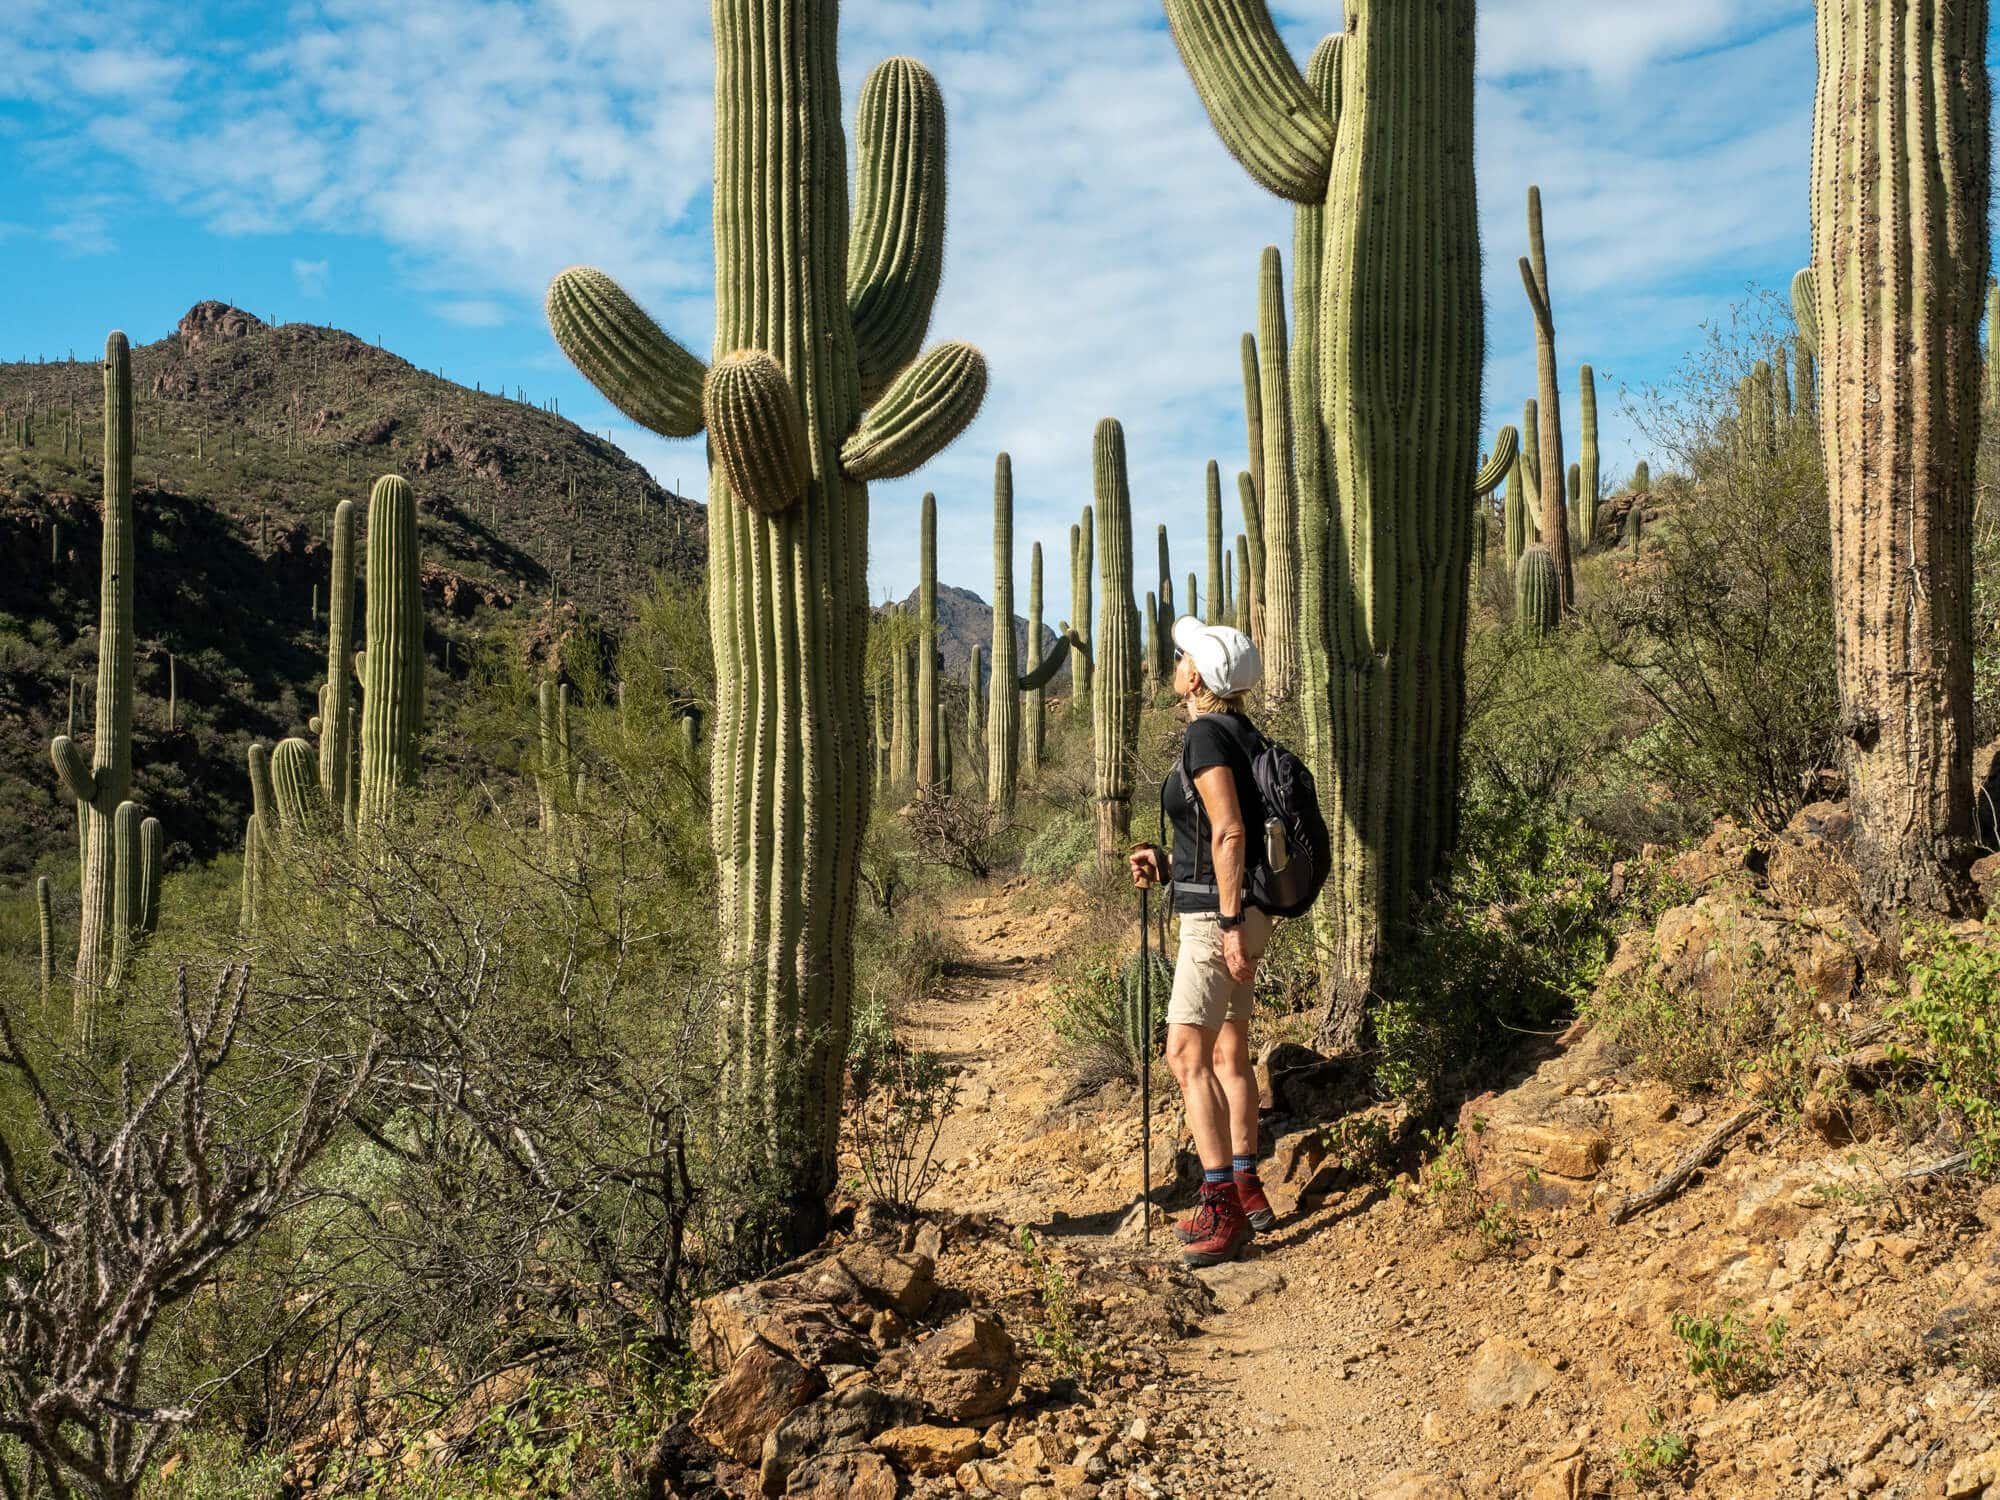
(1228, 843)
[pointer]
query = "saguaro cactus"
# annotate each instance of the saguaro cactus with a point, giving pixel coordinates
(1115, 700)
(927, 683)
(1387, 154)
(1592, 480)
(1900, 193)
(1086, 546)
(1514, 515)
(338, 777)
(1279, 512)
(975, 703)
(392, 664)
(1642, 478)
(101, 783)
(46, 924)
(821, 315)
(557, 775)
(1159, 610)
(902, 690)
(1549, 450)
(1537, 601)
(1032, 727)
(1003, 720)
(1214, 518)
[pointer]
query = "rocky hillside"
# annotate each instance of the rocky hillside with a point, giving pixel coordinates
(248, 436)
(965, 620)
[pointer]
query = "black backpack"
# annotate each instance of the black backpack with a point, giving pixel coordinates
(1289, 798)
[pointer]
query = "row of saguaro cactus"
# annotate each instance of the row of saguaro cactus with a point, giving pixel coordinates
(816, 389)
(1377, 138)
(1115, 694)
(1901, 182)
(118, 851)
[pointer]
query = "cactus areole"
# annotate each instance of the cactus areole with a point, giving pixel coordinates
(1401, 340)
(840, 302)
(1900, 177)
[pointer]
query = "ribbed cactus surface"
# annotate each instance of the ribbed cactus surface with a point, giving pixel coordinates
(1537, 594)
(45, 923)
(1642, 478)
(392, 662)
(1387, 153)
(928, 723)
(838, 302)
(1901, 181)
(1279, 584)
(1115, 697)
(100, 783)
(1003, 714)
(1032, 723)
(1213, 515)
(1159, 652)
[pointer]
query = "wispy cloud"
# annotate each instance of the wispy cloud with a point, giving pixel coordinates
(310, 276)
(1103, 244)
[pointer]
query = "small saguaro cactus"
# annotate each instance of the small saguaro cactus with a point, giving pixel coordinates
(1591, 479)
(391, 666)
(46, 924)
(1081, 612)
(1003, 724)
(135, 906)
(928, 722)
(975, 704)
(1253, 535)
(1159, 656)
(1032, 728)
(558, 776)
(1549, 451)
(338, 776)
(1537, 604)
(1531, 469)
(1642, 478)
(1214, 519)
(99, 784)
(1115, 699)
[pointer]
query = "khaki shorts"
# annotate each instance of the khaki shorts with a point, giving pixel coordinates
(1205, 993)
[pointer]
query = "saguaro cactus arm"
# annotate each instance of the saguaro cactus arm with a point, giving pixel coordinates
(1255, 95)
(1805, 308)
(1506, 448)
(919, 415)
(624, 353)
(1043, 672)
(895, 252)
(73, 766)
(757, 431)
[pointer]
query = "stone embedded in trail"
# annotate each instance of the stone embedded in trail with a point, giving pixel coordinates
(969, 1368)
(762, 1388)
(926, 1449)
(1238, 1283)
(1506, 1373)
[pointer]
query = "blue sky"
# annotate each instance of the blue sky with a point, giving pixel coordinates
(417, 169)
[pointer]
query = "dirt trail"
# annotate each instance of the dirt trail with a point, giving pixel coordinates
(1313, 1375)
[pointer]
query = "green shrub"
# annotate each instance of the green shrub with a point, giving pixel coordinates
(1060, 847)
(1952, 985)
(1086, 1011)
(900, 1100)
(1730, 1354)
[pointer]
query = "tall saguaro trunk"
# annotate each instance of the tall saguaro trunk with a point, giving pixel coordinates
(1901, 164)
(1003, 703)
(101, 784)
(1031, 700)
(1279, 511)
(1115, 699)
(927, 658)
(816, 388)
(337, 771)
(1549, 468)
(1402, 341)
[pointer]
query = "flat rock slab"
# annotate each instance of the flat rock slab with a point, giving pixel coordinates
(1238, 1283)
(1506, 1373)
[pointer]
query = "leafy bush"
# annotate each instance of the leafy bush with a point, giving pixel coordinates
(1729, 1354)
(1060, 847)
(1086, 1010)
(1514, 942)
(901, 1100)
(1952, 985)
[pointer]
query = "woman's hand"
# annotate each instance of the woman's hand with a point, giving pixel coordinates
(1148, 866)
(1236, 956)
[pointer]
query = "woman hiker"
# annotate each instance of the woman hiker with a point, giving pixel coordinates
(1213, 808)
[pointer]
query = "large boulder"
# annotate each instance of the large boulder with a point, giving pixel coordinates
(763, 1387)
(837, 1422)
(968, 1369)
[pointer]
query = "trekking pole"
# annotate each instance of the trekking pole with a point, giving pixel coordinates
(1145, 1077)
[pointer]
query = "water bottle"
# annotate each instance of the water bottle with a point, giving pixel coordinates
(1277, 854)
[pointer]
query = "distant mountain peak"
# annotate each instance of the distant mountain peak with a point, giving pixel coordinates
(214, 323)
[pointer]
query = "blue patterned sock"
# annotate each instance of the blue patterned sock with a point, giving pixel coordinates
(1243, 1166)
(1214, 1176)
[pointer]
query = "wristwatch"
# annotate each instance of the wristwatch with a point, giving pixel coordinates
(1227, 923)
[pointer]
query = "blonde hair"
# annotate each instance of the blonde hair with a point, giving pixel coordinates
(1207, 702)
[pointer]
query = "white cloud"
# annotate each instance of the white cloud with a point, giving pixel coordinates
(310, 276)
(1103, 244)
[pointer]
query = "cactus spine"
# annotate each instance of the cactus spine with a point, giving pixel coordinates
(1388, 157)
(337, 776)
(1115, 699)
(1537, 601)
(837, 303)
(98, 785)
(392, 662)
(1549, 450)
(1900, 194)
(1591, 478)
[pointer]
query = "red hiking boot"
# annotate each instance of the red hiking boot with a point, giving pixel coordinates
(1197, 1225)
(1228, 1231)
(1256, 1207)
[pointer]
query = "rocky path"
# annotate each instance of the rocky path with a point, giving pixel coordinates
(1378, 1344)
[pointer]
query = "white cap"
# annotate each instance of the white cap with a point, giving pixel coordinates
(1226, 658)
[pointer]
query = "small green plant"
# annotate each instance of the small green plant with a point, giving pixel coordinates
(1659, 1457)
(1952, 984)
(1057, 1337)
(1361, 1145)
(901, 1100)
(1451, 1186)
(1729, 1353)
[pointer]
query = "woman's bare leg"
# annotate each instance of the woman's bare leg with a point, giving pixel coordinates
(1236, 1077)
(1189, 1050)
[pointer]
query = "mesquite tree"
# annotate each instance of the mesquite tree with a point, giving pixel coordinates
(1380, 138)
(816, 388)
(1900, 177)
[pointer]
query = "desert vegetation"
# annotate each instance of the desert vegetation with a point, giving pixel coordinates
(519, 1072)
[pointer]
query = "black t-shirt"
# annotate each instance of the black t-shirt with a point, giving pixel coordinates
(1212, 740)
